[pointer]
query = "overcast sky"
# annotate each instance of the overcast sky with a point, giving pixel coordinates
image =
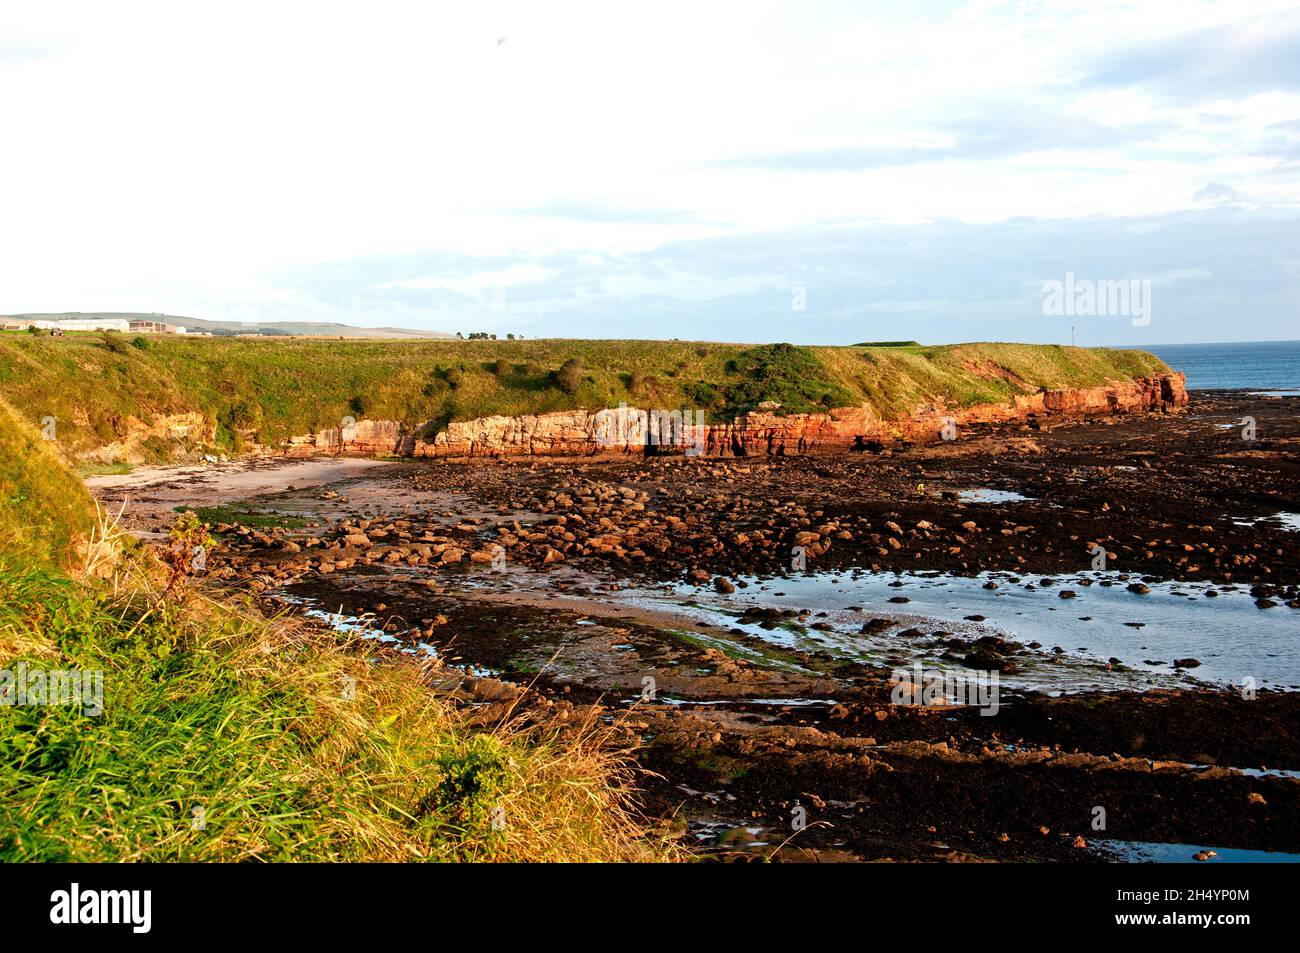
(694, 170)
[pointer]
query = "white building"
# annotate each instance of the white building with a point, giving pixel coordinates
(90, 324)
(157, 327)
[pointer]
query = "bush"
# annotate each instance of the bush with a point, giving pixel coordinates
(473, 778)
(569, 376)
(792, 376)
(140, 343)
(113, 341)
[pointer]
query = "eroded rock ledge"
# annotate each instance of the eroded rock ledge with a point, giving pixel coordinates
(584, 433)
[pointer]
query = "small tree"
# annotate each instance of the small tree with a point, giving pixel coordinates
(569, 376)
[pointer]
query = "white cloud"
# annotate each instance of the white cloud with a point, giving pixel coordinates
(162, 152)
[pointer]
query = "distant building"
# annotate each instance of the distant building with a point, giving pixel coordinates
(87, 324)
(156, 327)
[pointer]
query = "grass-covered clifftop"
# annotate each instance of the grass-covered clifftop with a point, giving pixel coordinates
(92, 383)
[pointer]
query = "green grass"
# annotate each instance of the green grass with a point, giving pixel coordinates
(44, 511)
(85, 470)
(274, 389)
(213, 710)
(242, 516)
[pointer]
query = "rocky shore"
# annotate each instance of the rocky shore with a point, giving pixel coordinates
(768, 726)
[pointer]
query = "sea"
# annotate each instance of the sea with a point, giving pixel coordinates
(1262, 365)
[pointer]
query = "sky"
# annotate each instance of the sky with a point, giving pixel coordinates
(809, 172)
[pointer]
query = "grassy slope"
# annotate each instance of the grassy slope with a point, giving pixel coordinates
(288, 387)
(208, 705)
(42, 506)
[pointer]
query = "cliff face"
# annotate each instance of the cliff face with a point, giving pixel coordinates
(582, 432)
(181, 431)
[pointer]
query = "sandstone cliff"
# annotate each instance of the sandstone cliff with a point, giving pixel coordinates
(176, 432)
(583, 432)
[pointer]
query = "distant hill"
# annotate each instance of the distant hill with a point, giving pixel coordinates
(294, 328)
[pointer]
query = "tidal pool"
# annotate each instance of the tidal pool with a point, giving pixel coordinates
(987, 495)
(1146, 852)
(1234, 642)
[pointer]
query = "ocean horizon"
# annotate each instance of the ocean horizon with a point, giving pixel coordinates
(1266, 365)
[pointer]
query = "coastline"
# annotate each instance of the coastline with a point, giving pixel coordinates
(761, 702)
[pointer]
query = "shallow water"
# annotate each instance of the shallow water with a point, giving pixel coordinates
(1232, 638)
(1228, 634)
(1146, 852)
(363, 626)
(1283, 520)
(986, 495)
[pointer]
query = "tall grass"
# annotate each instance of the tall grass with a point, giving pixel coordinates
(285, 744)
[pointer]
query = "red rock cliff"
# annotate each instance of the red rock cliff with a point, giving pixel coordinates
(582, 432)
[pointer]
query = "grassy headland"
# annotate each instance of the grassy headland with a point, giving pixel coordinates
(227, 736)
(93, 383)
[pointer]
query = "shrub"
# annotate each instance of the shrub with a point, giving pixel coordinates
(792, 376)
(569, 376)
(473, 777)
(113, 341)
